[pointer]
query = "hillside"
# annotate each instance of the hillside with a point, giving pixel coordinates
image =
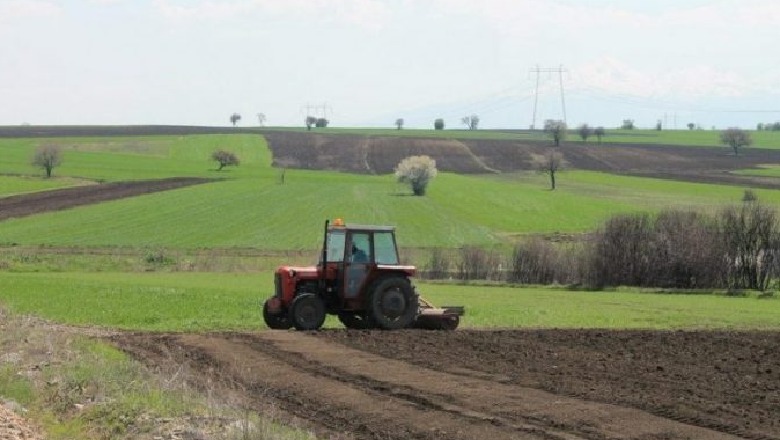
(380, 154)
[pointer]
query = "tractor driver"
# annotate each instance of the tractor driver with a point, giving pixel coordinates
(358, 255)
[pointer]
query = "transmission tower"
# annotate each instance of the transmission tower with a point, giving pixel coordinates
(548, 70)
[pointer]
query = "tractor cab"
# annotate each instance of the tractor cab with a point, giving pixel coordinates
(355, 256)
(358, 278)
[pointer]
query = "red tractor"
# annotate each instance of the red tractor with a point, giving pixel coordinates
(359, 279)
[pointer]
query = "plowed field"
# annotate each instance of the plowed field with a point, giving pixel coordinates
(35, 203)
(535, 384)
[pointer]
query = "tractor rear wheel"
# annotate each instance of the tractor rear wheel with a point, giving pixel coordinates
(307, 312)
(356, 321)
(276, 322)
(392, 303)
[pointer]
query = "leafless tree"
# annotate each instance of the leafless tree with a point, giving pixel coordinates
(472, 122)
(225, 158)
(556, 130)
(599, 132)
(550, 164)
(261, 119)
(735, 138)
(234, 118)
(47, 157)
(584, 131)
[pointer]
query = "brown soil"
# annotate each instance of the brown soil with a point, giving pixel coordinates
(534, 384)
(14, 427)
(55, 200)
(380, 155)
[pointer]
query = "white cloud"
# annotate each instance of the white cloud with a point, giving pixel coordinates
(370, 14)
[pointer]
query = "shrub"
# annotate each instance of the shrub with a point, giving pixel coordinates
(752, 245)
(478, 264)
(438, 266)
(534, 261)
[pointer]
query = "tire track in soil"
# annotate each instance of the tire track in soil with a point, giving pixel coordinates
(341, 389)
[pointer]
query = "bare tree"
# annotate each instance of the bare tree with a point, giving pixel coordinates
(261, 119)
(47, 157)
(551, 163)
(735, 138)
(599, 132)
(472, 122)
(234, 118)
(399, 123)
(417, 171)
(584, 131)
(556, 130)
(225, 158)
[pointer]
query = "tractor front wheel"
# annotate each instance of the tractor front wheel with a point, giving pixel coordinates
(275, 322)
(307, 312)
(392, 303)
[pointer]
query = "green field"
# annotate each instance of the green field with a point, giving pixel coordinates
(257, 211)
(211, 301)
(137, 158)
(249, 209)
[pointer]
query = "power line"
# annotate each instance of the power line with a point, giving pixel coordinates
(549, 70)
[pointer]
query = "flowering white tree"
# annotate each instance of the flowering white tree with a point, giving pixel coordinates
(417, 171)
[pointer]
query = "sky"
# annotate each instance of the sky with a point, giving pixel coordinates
(369, 62)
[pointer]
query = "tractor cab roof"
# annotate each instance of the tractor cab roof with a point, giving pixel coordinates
(340, 225)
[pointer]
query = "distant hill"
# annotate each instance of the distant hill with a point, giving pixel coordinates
(380, 154)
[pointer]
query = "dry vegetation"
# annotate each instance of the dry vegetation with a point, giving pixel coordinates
(75, 386)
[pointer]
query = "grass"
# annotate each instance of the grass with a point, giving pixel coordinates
(74, 387)
(138, 158)
(213, 301)
(251, 209)
(255, 211)
(13, 185)
(763, 171)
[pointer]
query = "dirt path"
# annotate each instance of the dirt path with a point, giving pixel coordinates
(337, 388)
(55, 200)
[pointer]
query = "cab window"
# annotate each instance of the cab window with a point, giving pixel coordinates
(335, 246)
(384, 245)
(361, 248)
